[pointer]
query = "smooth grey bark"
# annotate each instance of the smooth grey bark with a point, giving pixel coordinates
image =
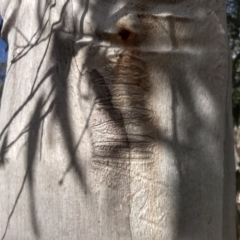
(115, 121)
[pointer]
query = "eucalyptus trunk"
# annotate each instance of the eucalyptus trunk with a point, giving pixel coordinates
(115, 121)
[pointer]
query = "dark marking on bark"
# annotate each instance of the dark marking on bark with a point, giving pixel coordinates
(124, 34)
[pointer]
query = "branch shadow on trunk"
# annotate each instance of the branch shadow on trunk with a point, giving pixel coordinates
(55, 104)
(117, 150)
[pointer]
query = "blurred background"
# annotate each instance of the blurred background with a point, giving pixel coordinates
(3, 60)
(233, 21)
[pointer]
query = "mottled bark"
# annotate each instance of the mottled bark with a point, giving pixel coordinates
(115, 121)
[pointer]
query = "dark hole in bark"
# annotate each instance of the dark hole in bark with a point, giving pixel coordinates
(124, 34)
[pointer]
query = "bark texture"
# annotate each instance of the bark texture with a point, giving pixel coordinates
(115, 121)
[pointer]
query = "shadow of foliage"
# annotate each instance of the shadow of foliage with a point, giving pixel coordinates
(117, 158)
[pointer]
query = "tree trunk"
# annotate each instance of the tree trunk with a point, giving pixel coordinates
(115, 121)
